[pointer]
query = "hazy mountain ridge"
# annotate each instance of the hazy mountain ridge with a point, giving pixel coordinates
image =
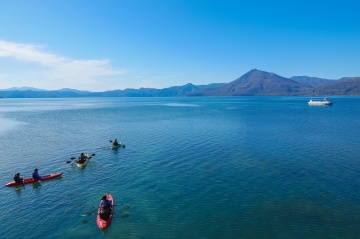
(253, 83)
(314, 81)
(344, 86)
(24, 88)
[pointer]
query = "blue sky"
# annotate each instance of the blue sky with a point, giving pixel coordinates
(106, 45)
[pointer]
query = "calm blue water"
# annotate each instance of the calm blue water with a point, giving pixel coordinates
(230, 167)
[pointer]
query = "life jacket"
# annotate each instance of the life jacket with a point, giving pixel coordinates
(17, 179)
(35, 176)
(106, 203)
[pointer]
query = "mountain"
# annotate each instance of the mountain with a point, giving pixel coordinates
(254, 82)
(257, 82)
(343, 86)
(174, 91)
(25, 88)
(73, 90)
(262, 83)
(186, 90)
(313, 81)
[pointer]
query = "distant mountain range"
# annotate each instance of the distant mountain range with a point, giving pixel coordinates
(23, 89)
(253, 83)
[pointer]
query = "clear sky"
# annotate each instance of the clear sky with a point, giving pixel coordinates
(105, 45)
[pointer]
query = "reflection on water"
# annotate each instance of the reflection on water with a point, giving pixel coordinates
(36, 186)
(7, 124)
(19, 189)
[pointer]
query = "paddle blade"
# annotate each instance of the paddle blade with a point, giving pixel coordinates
(87, 214)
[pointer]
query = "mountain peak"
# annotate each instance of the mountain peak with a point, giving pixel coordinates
(257, 74)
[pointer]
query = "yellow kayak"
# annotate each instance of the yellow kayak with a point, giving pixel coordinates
(81, 165)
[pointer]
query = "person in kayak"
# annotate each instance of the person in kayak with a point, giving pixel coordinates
(18, 179)
(82, 158)
(105, 212)
(35, 175)
(106, 208)
(115, 143)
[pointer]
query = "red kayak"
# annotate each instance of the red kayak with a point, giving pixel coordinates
(31, 180)
(102, 224)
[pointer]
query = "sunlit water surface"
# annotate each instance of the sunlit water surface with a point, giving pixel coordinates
(231, 167)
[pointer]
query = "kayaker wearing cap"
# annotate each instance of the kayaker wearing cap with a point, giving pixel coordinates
(18, 179)
(35, 175)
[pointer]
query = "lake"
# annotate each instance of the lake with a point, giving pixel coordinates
(206, 167)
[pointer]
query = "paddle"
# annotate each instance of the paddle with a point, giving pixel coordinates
(123, 145)
(113, 205)
(95, 214)
(72, 158)
(125, 214)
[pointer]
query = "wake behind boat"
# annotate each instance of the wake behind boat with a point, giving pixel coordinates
(325, 101)
(31, 180)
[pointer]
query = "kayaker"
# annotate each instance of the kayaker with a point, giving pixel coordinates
(105, 212)
(82, 158)
(18, 179)
(115, 143)
(35, 175)
(105, 206)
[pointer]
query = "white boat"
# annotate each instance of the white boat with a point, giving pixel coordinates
(325, 101)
